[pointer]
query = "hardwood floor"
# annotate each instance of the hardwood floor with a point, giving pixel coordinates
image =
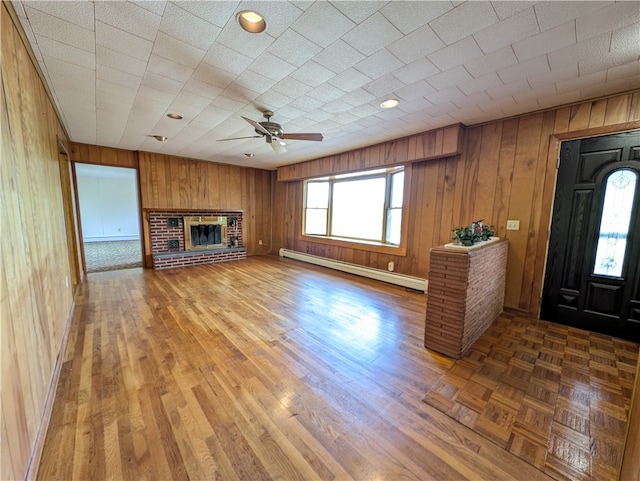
(264, 368)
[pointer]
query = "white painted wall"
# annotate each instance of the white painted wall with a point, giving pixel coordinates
(108, 198)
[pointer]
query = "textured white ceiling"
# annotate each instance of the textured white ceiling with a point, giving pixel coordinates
(115, 69)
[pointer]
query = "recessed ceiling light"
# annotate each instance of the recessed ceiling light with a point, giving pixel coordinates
(160, 138)
(389, 104)
(174, 116)
(251, 21)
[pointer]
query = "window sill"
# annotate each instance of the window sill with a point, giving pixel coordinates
(400, 250)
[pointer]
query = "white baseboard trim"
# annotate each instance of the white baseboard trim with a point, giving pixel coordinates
(403, 280)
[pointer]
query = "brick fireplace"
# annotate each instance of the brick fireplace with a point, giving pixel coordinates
(189, 238)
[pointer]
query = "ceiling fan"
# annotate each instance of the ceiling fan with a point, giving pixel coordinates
(273, 133)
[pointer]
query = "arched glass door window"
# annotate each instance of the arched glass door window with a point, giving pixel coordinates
(614, 224)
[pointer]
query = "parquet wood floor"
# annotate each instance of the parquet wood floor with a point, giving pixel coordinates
(268, 368)
(555, 396)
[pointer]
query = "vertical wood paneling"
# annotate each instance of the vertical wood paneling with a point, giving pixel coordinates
(617, 109)
(506, 170)
(438, 170)
(483, 202)
(421, 221)
(448, 219)
(177, 183)
(522, 183)
(469, 173)
(34, 300)
(439, 143)
(634, 109)
(596, 116)
(170, 182)
(563, 117)
(534, 263)
(580, 116)
(94, 154)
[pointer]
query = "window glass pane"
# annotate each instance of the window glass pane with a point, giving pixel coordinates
(316, 221)
(397, 189)
(358, 209)
(318, 194)
(360, 174)
(394, 221)
(614, 226)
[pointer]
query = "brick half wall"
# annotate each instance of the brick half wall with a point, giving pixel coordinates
(465, 295)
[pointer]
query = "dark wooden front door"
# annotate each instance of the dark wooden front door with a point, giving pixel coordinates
(592, 278)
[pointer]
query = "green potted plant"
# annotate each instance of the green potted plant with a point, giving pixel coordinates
(472, 234)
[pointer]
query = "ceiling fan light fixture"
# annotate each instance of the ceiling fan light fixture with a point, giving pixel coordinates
(389, 104)
(174, 116)
(251, 21)
(160, 138)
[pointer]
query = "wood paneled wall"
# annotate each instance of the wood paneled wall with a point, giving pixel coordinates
(438, 143)
(96, 154)
(169, 182)
(507, 170)
(35, 301)
(177, 183)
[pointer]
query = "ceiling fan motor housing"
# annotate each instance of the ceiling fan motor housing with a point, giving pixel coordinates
(273, 128)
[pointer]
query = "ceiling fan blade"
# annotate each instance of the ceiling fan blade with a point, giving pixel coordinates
(239, 138)
(257, 126)
(317, 137)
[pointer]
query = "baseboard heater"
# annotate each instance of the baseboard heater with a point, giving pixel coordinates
(378, 274)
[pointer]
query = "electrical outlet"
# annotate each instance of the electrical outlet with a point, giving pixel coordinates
(390, 266)
(513, 225)
(260, 242)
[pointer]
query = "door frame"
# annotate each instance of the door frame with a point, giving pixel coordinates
(79, 217)
(549, 194)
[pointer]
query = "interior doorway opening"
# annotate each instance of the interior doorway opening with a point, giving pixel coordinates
(109, 217)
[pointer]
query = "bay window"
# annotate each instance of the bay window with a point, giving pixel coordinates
(360, 207)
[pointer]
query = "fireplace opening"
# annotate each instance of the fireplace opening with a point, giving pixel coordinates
(206, 235)
(201, 232)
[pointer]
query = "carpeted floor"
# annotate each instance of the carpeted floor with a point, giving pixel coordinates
(112, 255)
(555, 396)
